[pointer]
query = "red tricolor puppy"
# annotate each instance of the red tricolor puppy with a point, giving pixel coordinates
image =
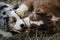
(41, 19)
(46, 15)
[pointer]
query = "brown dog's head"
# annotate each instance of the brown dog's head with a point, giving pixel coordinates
(44, 13)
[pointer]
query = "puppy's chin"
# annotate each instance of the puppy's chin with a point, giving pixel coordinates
(13, 32)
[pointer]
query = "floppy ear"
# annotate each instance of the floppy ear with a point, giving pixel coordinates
(16, 6)
(4, 6)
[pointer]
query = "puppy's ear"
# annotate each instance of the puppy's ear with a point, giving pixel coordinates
(4, 6)
(40, 11)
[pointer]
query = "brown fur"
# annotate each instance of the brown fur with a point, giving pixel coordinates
(10, 27)
(14, 19)
(44, 14)
(33, 17)
(54, 5)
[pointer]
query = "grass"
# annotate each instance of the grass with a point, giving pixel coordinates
(26, 36)
(37, 35)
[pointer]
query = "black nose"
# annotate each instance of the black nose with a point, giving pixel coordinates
(22, 25)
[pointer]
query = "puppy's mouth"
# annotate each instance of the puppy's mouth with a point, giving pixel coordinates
(18, 31)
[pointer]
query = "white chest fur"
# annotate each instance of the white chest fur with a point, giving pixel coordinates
(28, 22)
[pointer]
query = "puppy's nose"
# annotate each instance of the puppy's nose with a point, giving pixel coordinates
(22, 25)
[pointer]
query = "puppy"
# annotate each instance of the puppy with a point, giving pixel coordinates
(41, 19)
(9, 18)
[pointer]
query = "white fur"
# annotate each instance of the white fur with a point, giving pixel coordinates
(36, 22)
(22, 9)
(17, 25)
(28, 22)
(54, 18)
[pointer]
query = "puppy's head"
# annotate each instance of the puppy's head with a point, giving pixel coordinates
(43, 12)
(10, 18)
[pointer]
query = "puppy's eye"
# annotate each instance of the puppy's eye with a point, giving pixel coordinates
(4, 13)
(14, 19)
(10, 9)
